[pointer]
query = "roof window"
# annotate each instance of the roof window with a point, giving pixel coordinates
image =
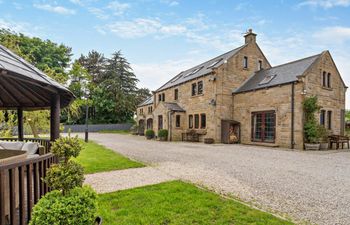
(194, 71)
(214, 63)
(267, 79)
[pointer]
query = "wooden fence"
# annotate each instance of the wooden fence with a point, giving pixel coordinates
(21, 186)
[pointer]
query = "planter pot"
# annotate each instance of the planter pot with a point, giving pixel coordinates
(163, 138)
(309, 146)
(149, 137)
(208, 140)
(98, 221)
(324, 146)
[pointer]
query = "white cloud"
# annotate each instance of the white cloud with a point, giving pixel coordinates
(118, 8)
(20, 27)
(99, 13)
(55, 9)
(142, 27)
(170, 2)
(333, 35)
(326, 4)
(77, 2)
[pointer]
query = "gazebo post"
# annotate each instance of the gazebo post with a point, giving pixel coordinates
(55, 117)
(20, 123)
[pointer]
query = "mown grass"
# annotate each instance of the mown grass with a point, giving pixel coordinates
(177, 202)
(97, 158)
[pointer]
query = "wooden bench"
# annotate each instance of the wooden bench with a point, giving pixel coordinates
(192, 135)
(338, 139)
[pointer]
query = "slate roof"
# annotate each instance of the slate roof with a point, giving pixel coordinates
(12, 62)
(17, 67)
(282, 74)
(173, 107)
(148, 101)
(200, 70)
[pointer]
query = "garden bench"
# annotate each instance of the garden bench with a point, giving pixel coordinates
(192, 135)
(338, 139)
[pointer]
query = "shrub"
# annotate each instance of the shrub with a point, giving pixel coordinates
(323, 133)
(163, 133)
(64, 177)
(149, 133)
(66, 147)
(77, 207)
(311, 131)
(311, 127)
(68, 203)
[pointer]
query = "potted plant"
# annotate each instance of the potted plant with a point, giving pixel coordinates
(69, 202)
(323, 133)
(163, 134)
(311, 127)
(149, 134)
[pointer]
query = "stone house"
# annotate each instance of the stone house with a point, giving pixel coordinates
(239, 97)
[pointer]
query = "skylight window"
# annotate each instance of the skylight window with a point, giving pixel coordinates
(214, 63)
(176, 78)
(194, 71)
(267, 79)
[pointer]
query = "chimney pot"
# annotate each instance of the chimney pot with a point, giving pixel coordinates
(250, 37)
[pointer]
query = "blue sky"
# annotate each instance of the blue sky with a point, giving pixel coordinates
(160, 38)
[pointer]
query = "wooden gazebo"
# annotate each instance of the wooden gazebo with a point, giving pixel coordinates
(24, 87)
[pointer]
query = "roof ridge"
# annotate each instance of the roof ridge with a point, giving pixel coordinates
(298, 60)
(235, 49)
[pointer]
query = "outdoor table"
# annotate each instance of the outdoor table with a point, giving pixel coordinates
(9, 156)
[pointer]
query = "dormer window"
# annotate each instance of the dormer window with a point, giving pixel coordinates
(245, 62)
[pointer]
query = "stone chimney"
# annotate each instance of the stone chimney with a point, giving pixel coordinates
(250, 37)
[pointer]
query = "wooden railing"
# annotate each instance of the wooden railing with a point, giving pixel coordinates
(21, 186)
(46, 143)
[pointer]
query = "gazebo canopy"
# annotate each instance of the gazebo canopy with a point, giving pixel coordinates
(24, 86)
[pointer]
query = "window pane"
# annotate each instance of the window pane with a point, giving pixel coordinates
(245, 62)
(196, 121)
(324, 77)
(200, 87)
(190, 121)
(163, 96)
(322, 117)
(160, 122)
(329, 80)
(176, 94)
(329, 120)
(257, 124)
(178, 122)
(194, 89)
(269, 134)
(203, 121)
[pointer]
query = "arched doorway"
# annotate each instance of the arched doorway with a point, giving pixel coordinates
(141, 127)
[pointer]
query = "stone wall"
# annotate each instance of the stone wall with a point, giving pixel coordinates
(277, 99)
(331, 99)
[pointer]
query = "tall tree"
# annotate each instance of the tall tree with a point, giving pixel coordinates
(120, 82)
(94, 63)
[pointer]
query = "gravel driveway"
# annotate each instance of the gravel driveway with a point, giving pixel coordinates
(306, 186)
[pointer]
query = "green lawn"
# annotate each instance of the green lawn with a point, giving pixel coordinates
(114, 132)
(177, 203)
(96, 158)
